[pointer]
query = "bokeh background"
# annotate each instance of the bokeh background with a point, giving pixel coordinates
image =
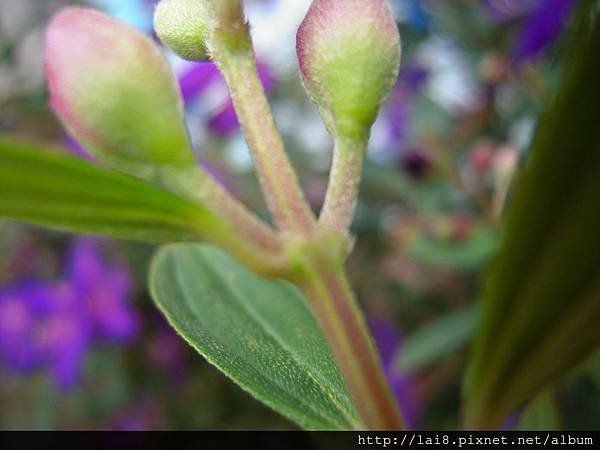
(81, 345)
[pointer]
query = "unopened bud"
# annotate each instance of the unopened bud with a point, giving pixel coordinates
(184, 26)
(349, 54)
(115, 93)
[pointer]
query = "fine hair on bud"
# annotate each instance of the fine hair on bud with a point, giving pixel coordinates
(114, 91)
(349, 55)
(185, 26)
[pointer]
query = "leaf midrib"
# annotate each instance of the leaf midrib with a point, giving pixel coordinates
(248, 363)
(239, 298)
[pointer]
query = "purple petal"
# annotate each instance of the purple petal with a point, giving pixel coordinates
(53, 326)
(225, 123)
(196, 79)
(387, 337)
(388, 340)
(203, 75)
(84, 265)
(168, 352)
(397, 117)
(147, 415)
(399, 107)
(15, 323)
(542, 28)
(504, 10)
(414, 76)
(63, 340)
(20, 308)
(103, 291)
(111, 315)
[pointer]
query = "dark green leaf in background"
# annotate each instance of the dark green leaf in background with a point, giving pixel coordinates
(467, 255)
(260, 333)
(542, 413)
(437, 339)
(542, 295)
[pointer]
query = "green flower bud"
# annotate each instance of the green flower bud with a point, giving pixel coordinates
(115, 93)
(349, 54)
(184, 26)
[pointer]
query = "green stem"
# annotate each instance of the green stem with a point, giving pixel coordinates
(344, 182)
(243, 234)
(318, 274)
(231, 50)
(324, 282)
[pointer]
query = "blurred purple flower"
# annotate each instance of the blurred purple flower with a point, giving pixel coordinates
(512, 421)
(17, 320)
(225, 122)
(61, 341)
(504, 10)
(398, 110)
(104, 290)
(40, 327)
(414, 77)
(144, 416)
(52, 326)
(541, 28)
(168, 352)
(397, 120)
(397, 116)
(196, 79)
(389, 342)
(202, 78)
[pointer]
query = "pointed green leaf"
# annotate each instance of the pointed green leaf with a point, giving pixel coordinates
(542, 295)
(48, 188)
(260, 333)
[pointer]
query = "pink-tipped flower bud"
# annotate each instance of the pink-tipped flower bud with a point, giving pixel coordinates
(349, 54)
(185, 26)
(115, 93)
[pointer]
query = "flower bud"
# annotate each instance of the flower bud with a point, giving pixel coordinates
(184, 27)
(115, 93)
(349, 54)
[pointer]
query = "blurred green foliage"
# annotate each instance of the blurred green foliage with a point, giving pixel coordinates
(422, 243)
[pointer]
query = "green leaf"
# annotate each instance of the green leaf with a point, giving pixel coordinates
(467, 255)
(542, 294)
(592, 369)
(260, 333)
(541, 414)
(437, 339)
(44, 187)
